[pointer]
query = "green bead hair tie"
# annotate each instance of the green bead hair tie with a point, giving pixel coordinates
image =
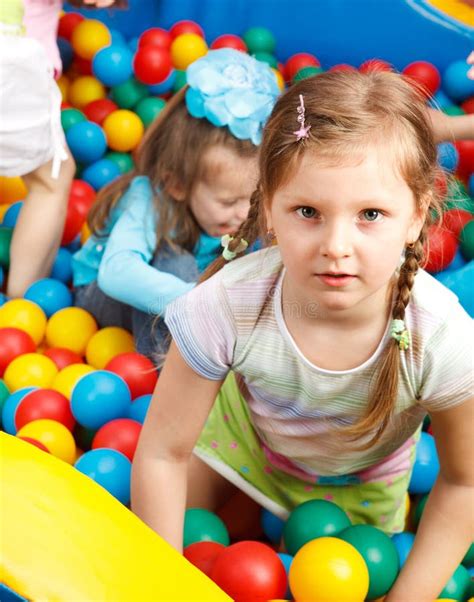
(399, 332)
(227, 254)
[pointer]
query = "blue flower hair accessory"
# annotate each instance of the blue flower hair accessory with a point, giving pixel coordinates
(230, 88)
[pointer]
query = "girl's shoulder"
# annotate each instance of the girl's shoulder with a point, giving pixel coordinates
(263, 266)
(431, 297)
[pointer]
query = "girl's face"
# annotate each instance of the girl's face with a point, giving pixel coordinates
(220, 201)
(341, 230)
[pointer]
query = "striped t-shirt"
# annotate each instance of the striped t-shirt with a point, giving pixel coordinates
(234, 321)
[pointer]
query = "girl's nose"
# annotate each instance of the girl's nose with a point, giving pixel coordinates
(337, 241)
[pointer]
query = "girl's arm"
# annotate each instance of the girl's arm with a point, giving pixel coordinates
(448, 128)
(446, 528)
(181, 403)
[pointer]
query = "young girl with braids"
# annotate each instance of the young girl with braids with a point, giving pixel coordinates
(304, 370)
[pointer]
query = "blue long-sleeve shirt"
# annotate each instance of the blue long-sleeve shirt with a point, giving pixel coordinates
(120, 260)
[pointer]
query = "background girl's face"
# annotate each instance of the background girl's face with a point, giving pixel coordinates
(341, 230)
(220, 200)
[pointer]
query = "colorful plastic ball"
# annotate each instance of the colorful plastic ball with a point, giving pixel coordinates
(307, 72)
(280, 79)
(88, 37)
(106, 344)
(403, 543)
(5, 242)
(448, 156)
(426, 467)
(44, 403)
(121, 434)
(203, 525)
(149, 108)
(11, 214)
(63, 357)
(458, 585)
(10, 407)
(155, 36)
(36, 443)
(186, 26)
(165, 87)
(101, 173)
(425, 74)
(466, 240)
(139, 408)
(229, 40)
(110, 469)
(312, 519)
(123, 161)
(25, 315)
(128, 94)
(51, 295)
(137, 371)
(272, 526)
(98, 398)
(455, 220)
(180, 80)
(123, 129)
(375, 65)
(87, 141)
(70, 117)
(112, 65)
(468, 560)
(62, 266)
(342, 67)
(379, 553)
(13, 343)
(84, 90)
(66, 52)
(81, 66)
(152, 64)
(11, 190)
(329, 570)
(259, 39)
(250, 570)
(203, 555)
(4, 394)
(466, 158)
(67, 23)
(266, 57)
(186, 48)
(98, 110)
(419, 509)
(67, 378)
(54, 436)
(82, 196)
(298, 61)
(442, 247)
(71, 328)
(30, 370)
(456, 84)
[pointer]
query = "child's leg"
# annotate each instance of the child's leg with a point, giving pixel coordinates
(40, 226)
(106, 311)
(207, 488)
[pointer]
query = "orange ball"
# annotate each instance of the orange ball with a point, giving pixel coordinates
(12, 190)
(90, 36)
(123, 129)
(187, 48)
(84, 90)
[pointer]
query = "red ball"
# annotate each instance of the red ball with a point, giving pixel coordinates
(82, 66)
(44, 403)
(375, 65)
(425, 74)
(441, 184)
(99, 109)
(72, 225)
(121, 434)
(152, 64)
(297, 62)
(203, 554)
(466, 158)
(63, 357)
(38, 444)
(250, 570)
(136, 370)
(155, 36)
(229, 40)
(343, 67)
(468, 105)
(82, 196)
(67, 24)
(186, 27)
(13, 342)
(454, 220)
(441, 249)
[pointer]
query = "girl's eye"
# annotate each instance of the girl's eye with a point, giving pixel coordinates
(371, 215)
(306, 212)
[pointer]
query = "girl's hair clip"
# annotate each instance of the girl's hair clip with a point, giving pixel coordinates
(399, 332)
(227, 254)
(303, 131)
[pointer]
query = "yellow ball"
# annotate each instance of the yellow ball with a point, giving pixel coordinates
(89, 37)
(85, 233)
(30, 370)
(67, 378)
(71, 328)
(53, 435)
(25, 315)
(279, 78)
(106, 344)
(12, 189)
(328, 569)
(123, 129)
(84, 90)
(186, 48)
(3, 209)
(63, 85)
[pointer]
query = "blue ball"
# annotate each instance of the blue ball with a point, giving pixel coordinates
(10, 407)
(110, 469)
(448, 156)
(440, 101)
(3, 299)
(118, 39)
(460, 282)
(2, 276)
(75, 245)
(456, 83)
(426, 467)
(272, 526)
(165, 86)
(139, 408)
(113, 65)
(404, 543)
(87, 141)
(471, 185)
(100, 397)
(286, 560)
(51, 295)
(101, 173)
(66, 52)
(11, 214)
(133, 44)
(62, 266)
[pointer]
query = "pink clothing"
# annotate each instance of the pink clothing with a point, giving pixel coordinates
(41, 22)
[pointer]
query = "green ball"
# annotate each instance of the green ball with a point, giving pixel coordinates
(128, 94)
(148, 108)
(306, 72)
(202, 525)
(453, 110)
(468, 559)
(313, 519)
(379, 553)
(123, 161)
(420, 506)
(466, 240)
(5, 241)
(70, 117)
(83, 437)
(458, 586)
(4, 394)
(259, 39)
(266, 57)
(180, 80)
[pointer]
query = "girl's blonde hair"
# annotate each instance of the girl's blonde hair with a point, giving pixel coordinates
(171, 155)
(348, 111)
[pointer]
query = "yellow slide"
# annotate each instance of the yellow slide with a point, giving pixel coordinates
(63, 538)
